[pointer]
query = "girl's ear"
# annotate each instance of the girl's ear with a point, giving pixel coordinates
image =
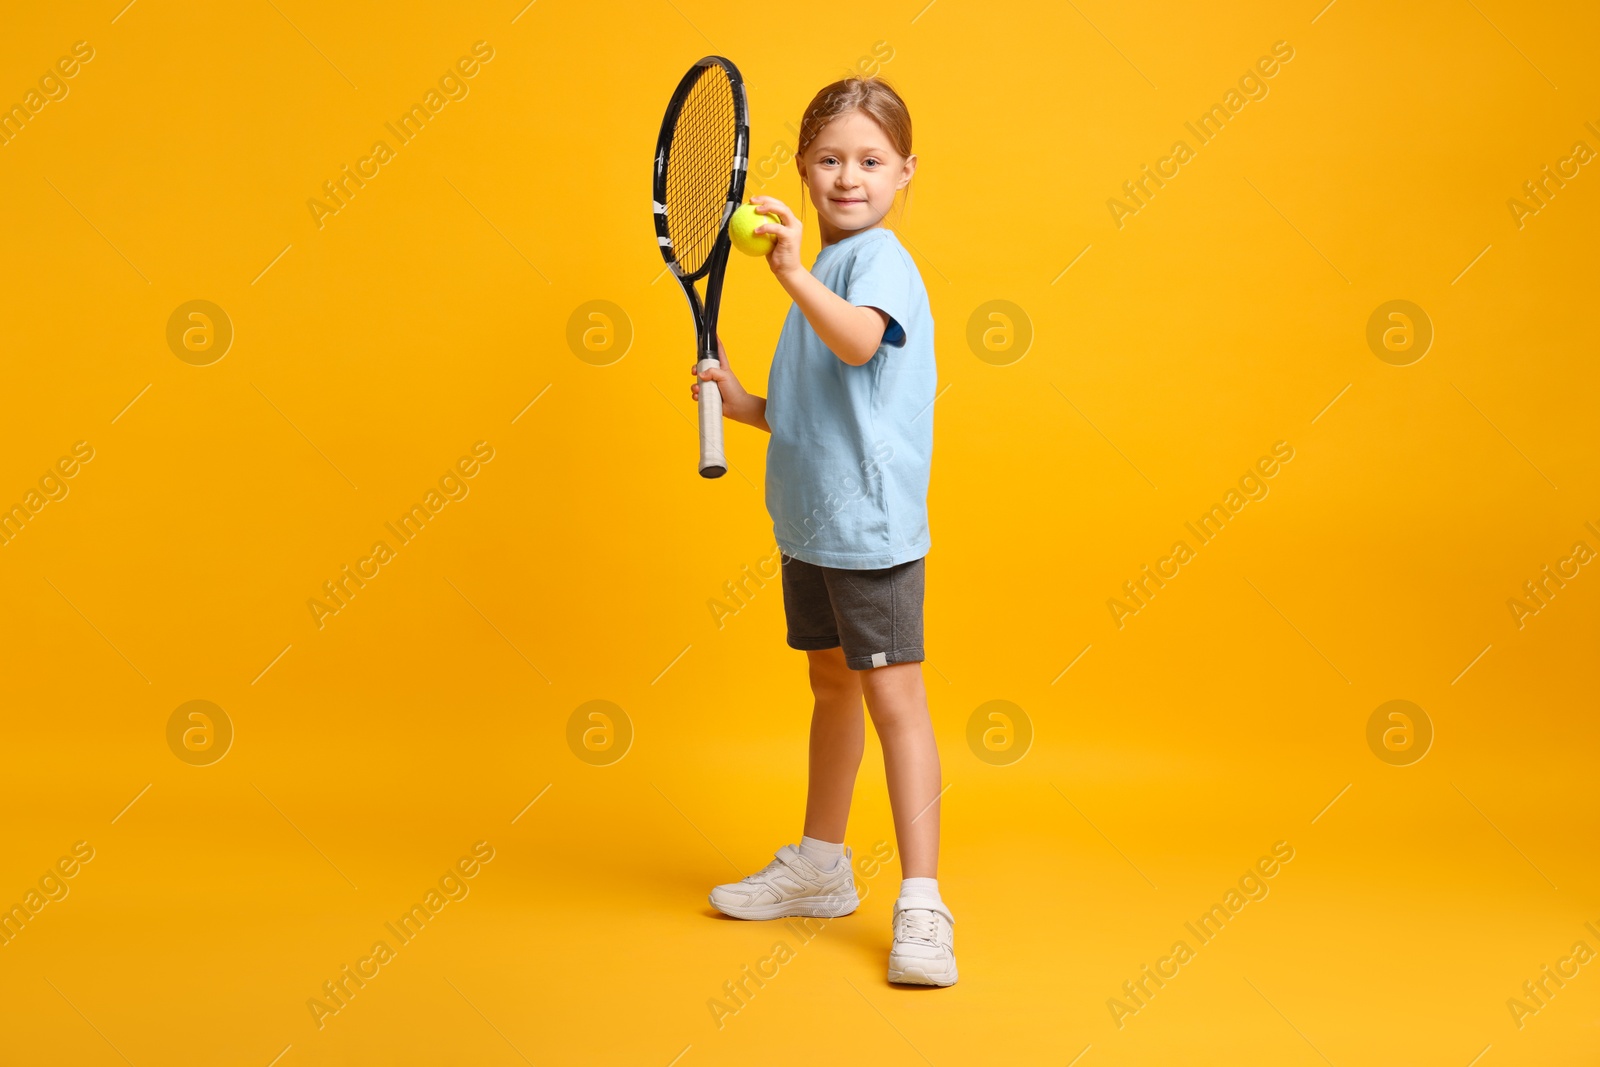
(907, 171)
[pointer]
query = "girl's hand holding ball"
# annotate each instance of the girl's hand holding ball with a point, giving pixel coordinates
(777, 226)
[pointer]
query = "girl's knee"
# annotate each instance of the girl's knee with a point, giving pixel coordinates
(899, 719)
(830, 677)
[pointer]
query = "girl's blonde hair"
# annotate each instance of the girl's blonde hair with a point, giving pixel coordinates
(873, 97)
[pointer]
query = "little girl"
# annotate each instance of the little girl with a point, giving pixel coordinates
(850, 411)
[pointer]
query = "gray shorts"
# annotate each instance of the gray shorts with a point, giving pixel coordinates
(874, 615)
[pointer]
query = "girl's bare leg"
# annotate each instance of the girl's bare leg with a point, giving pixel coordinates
(899, 705)
(838, 739)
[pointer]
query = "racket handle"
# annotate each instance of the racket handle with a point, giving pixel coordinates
(713, 464)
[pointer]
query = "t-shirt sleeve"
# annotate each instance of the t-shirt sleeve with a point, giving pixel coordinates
(880, 277)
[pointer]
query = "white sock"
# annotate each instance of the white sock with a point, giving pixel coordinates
(920, 887)
(824, 854)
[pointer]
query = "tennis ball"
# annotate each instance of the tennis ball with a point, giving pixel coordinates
(741, 229)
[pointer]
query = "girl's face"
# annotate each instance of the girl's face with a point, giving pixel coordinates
(852, 174)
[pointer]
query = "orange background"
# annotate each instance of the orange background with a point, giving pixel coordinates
(431, 712)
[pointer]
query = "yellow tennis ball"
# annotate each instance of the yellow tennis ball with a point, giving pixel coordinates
(741, 229)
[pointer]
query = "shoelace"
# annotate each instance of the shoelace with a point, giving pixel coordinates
(776, 864)
(920, 924)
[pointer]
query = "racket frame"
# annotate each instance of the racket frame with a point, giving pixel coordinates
(713, 460)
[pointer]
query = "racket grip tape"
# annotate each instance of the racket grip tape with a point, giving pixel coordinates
(713, 463)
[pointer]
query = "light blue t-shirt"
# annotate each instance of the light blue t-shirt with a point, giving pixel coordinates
(851, 448)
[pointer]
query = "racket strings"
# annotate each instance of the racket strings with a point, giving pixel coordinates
(700, 165)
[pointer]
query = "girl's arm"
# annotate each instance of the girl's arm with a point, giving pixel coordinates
(852, 333)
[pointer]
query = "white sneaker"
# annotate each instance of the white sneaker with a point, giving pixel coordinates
(790, 885)
(924, 951)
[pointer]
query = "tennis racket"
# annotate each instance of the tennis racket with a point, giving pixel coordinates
(702, 157)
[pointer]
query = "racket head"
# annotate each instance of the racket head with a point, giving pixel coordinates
(702, 158)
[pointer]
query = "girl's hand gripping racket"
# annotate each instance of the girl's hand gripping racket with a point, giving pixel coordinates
(702, 157)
